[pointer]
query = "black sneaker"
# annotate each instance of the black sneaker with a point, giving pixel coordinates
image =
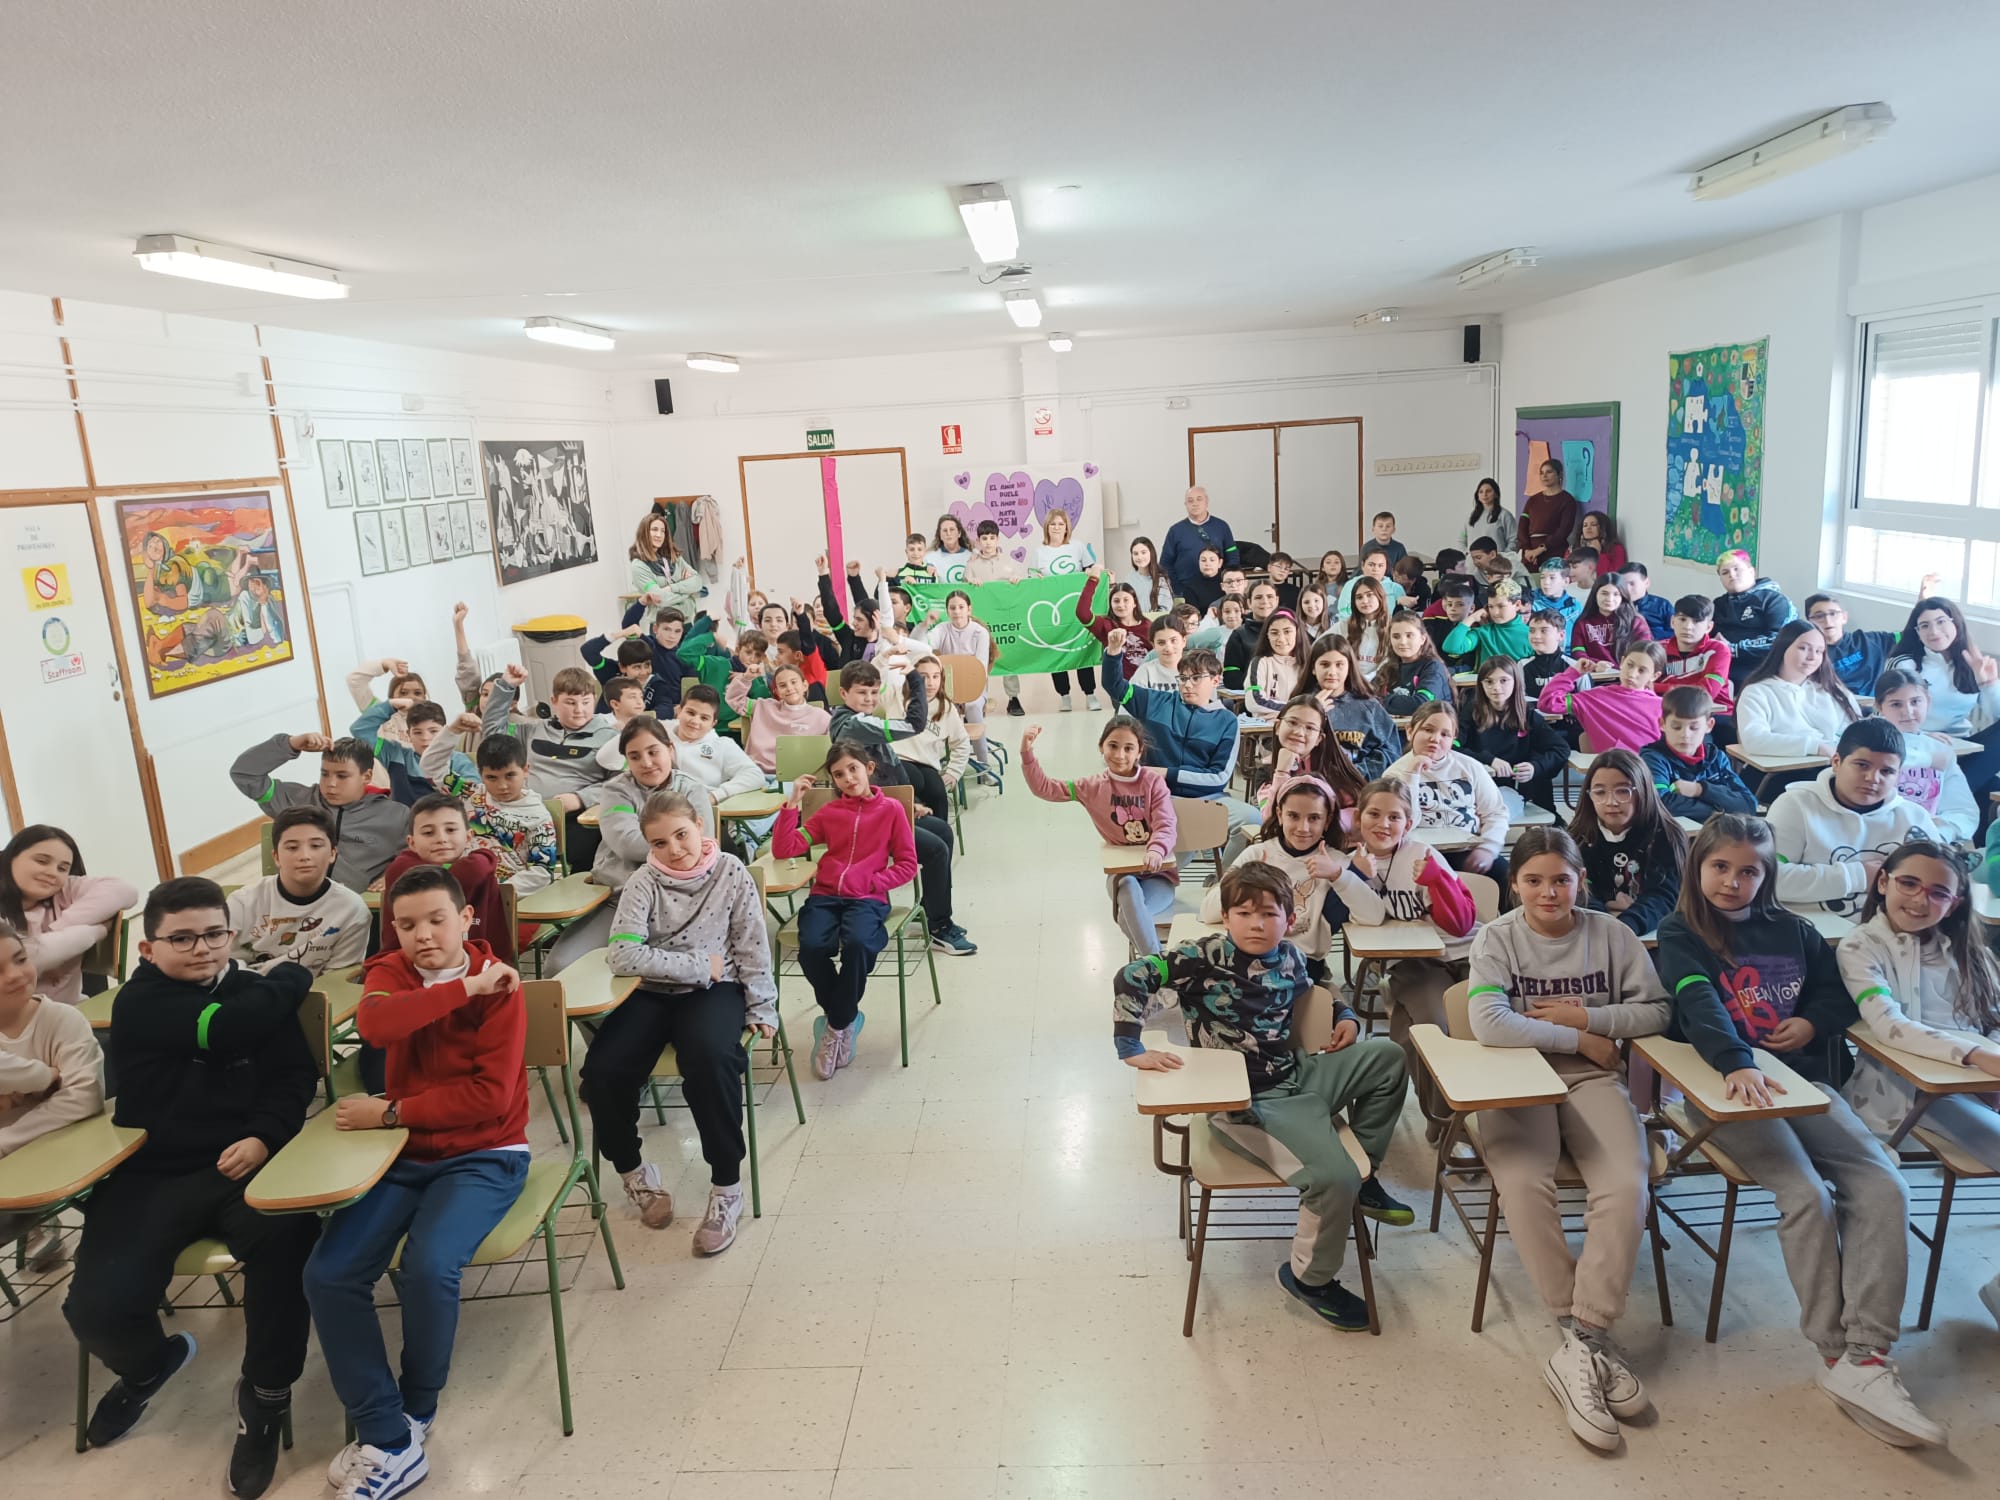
(125, 1402)
(1333, 1302)
(1014, 707)
(259, 1427)
(1378, 1205)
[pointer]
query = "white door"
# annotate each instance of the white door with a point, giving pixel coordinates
(1237, 469)
(787, 525)
(60, 695)
(1319, 504)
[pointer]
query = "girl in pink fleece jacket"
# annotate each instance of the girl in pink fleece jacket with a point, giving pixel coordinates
(843, 923)
(1130, 806)
(1621, 715)
(60, 912)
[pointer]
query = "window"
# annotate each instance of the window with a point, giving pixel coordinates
(1926, 493)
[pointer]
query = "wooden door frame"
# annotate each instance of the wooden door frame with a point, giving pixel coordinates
(744, 460)
(1277, 489)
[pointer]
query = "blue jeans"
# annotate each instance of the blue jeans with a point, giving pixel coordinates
(1137, 904)
(445, 1208)
(839, 940)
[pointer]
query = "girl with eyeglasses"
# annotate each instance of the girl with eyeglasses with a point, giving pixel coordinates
(1632, 850)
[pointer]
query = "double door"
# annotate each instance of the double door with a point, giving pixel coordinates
(1295, 485)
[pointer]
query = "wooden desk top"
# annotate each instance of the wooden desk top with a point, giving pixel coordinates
(322, 1167)
(783, 876)
(1393, 940)
(1472, 1076)
(97, 1008)
(64, 1162)
(1779, 764)
(1830, 925)
(588, 818)
(750, 805)
(564, 900)
(591, 989)
(343, 995)
(1124, 859)
(1682, 1066)
(1209, 1080)
(1928, 1075)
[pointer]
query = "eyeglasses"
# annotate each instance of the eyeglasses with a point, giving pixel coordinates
(1937, 895)
(1826, 616)
(1611, 794)
(184, 942)
(1196, 676)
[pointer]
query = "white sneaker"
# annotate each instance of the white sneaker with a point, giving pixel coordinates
(45, 1249)
(1571, 1373)
(373, 1474)
(1868, 1390)
(1990, 1295)
(1066, 704)
(717, 1231)
(1090, 702)
(844, 1044)
(1624, 1396)
(646, 1192)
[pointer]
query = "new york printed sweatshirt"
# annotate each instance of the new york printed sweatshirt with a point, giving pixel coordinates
(1778, 966)
(1411, 884)
(1598, 964)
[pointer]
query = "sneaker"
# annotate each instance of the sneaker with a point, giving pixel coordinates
(1014, 707)
(718, 1226)
(833, 1046)
(1571, 1373)
(645, 1192)
(1624, 1396)
(1090, 702)
(1865, 1386)
(373, 1473)
(844, 1044)
(1333, 1303)
(125, 1402)
(1376, 1203)
(422, 1424)
(45, 1249)
(1990, 1295)
(953, 940)
(1063, 699)
(253, 1462)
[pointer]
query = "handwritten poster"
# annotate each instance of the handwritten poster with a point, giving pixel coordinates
(1715, 450)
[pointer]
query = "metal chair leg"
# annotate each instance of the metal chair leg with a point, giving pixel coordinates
(1938, 1231)
(780, 1040)
(549, 1093)
(1721, 1260)
(556, 1318)
(1486, 1257)
(1659, 1259)
(1194, 1264)
(750, 1118)
(1363, 1256)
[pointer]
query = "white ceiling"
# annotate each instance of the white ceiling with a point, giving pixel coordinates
(772, 180)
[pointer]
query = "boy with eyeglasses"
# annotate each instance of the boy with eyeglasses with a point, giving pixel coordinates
(213, 1066)
(1858, 656)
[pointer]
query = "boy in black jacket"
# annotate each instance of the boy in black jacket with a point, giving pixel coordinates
(1693, 775)
(214, 1067)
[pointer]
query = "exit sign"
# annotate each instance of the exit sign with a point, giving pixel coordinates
(819, 439)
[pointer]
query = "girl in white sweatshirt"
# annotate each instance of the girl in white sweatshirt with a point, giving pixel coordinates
(1454, 791)
(1793, 707)
(1294, 839)
(1926, 984)
(1931, 777)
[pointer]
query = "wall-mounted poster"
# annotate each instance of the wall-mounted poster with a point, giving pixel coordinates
(334, 474)
(1715, 450)
(441, 479)
(367, 491)
(368, 541)
(206, 586)
(538, 496)
(417, 468)
(482, 527)
(418, 536)
(1583, 439)
(389, 466)
(1019, 500)
(461, 529)
(395, 541)
(437, 523)
(464, 473)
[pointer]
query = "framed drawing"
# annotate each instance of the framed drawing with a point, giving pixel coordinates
(1715, 450)
(418, 536)
(395, 541)
(461, 529)
(361, 456)
(1583, 439)
(417, 468)
(389, 468)
(334, 473)
(482, 527)
(206, 586)
(438, 518)
(538, 500)
(441, 480)
(368, 540)
(464, 476)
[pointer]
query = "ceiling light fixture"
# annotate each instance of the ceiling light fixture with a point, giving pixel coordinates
(1023, 309)
(1378, 317)
(227, 265)
(1496, 266)
(989, 220)
(721, 364)
(1846, 129)
(569, 335)
(1061, 343)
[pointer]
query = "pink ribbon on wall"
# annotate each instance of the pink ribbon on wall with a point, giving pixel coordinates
(836, 555)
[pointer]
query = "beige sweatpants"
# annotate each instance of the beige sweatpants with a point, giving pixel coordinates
(1598, 1127)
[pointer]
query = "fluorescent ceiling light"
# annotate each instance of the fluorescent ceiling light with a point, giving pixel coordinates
(1023, 309)
(1061, 343)
(989, 220)
(1378, 317)
(226, 265)
(722, 364)
(569, 335)
(1843, 130)
(1496, 266)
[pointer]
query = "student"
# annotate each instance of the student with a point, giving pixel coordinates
(916, 567)
(1237, 582)
(1693, 776)
(1635, 583)
(1162, 667)
(1598, 532)
(691, 929)
(1409, 577)
(719, 765)
(1496, 630)
(1744, 973)
(949, 550)
(1297, 837)
(1190, 737)
(1315, 613)
(1621, 715)
(1697, 656)
(404, 688)
(1354, 715)
(869, 852)
(1609, 623)
(634, 661)
(1305, 748)
(1284, 578)
(666, 637)
(1749, 612)
(213, 1066)
(1930, 777)
(937, 755)
(368, 827)
(1333, 574)
(1491, 566)
(1490, 517)
(1545, 662)
(624, 701)
(1243, 641)
(403, 761)
(1276, 664)
(1583, 575)
(1414, 674)
(1633, 850)
(1858, 656)
(785, 712)
(504, 816)
(1518, 745)
(1552, 593)
(1963, 680)
(1831, 832)
(49, 1078)
(991, 565)
(851, 627)
(960, 635)
(1367, 627)
(562, 749)
(1228, 619)
(1446, 612)
(299, 915)
(1453, 790)
(60, 912)
(1383, 528)
(1375, 565)
(440, 836)
(1926, 984)
(1549, 518)
(1238, 990)
(1129, 805)
(651, 765)
(1203, 588)
(1792, 706)
(453, 1028)
(1123, 604)
(1571, 984)
(1149, 579)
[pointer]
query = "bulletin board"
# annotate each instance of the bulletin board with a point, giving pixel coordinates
(1715, 450)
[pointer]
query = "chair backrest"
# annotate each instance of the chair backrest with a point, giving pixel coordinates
(107, 955)
(548, 1023)
(265, 851)
(1199, 824)
(800, 753)
(316, 1020)
(1485, 893)
(964, 677)
(560, 818)
(1458, 1009)
(1312, 1020)
(819, 796)
(1586, 744)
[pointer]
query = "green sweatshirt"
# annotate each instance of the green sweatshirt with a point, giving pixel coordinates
(1509, 640)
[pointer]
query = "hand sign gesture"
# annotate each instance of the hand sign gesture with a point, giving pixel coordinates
(1985, 670)
(799, 788)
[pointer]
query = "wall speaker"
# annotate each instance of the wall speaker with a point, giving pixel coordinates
(1471, 346)
(663, 390)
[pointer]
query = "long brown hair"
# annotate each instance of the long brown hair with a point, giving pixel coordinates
(1977, 1003)
(1328, 759)
(1484, 715)
(1336, 644)
(642, 546)
(1650, 822)
(1825, 678)
(1713, 930)
(1358, 622)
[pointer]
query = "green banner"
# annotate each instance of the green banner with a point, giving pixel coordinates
(1033, 623)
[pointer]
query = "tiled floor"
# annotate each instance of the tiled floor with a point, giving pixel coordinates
(966, 1286)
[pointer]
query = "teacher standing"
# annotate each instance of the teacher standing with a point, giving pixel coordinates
(1549, 520)
(1181, 556)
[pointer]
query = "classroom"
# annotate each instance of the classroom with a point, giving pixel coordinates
(564, 561)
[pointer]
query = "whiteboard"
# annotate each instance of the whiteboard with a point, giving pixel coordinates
(785, 516)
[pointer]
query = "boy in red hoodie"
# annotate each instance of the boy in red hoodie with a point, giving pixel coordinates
(439, 836)
(453, 1024)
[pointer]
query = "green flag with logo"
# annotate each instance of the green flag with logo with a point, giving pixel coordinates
(1034, 622)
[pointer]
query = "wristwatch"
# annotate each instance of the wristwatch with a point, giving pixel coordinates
(392, 1116)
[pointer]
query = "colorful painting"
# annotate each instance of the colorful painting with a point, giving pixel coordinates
(1582, 438)
(206, 587)
(1715, 450)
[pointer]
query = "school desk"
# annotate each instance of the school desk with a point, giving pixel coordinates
(52, 1169)
(759, 804)
(1209, 1080)
(1187, 927)
(1931, 1077)
(1707, 1090)
(323, 1168)
(1473, 1076)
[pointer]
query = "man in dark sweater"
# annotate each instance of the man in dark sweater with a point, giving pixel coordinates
(214, 1067)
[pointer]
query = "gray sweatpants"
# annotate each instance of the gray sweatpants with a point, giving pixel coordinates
(1843, 1231)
